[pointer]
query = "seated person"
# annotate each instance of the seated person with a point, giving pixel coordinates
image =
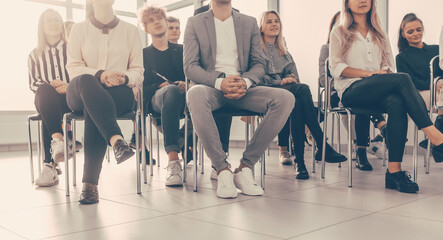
(363, 78)
(222, 57)
(164, 86)
(360, 123)
(414, 57)
(48, 79)
(281, 72)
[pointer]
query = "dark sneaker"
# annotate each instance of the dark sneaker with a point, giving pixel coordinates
(400, 181)
(362, 160)
(301, 172)
(89, 194)
(122, 151)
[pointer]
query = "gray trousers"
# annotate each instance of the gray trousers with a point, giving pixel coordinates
(169, 102)
(275, 103)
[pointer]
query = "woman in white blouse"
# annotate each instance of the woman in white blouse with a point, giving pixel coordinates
(105, 62)
(361, 61)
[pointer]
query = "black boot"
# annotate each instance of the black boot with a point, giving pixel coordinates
(301, 172)
(400, 181)
(362, 160)
(331, 156)
(147, 157)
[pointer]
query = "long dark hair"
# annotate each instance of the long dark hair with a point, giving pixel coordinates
(402, 42)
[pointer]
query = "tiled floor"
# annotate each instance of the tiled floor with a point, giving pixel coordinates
(291, 209)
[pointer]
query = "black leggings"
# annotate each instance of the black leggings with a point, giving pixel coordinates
(304, 113)
(51, 106)
(395, 94)
(100, 106)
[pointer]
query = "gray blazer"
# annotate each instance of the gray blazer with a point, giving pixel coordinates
(200, 48)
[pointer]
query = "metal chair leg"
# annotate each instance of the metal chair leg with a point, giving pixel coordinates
(194, 143)
(349, 150)
(150, 148)
(325, 131)
(194, 148)
(158, 150)
(202, 157)
(65, 141)
(138, 161)
(415, 154)
(31, 160)
(41, 150)
(74, 159)
(338, 136)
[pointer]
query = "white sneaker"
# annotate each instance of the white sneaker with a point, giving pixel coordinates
(225, 186)
(57, 150)
(48, 176)
(375, 148)
(285, 158)
(213, 175)
(174, 176)
(246, 183)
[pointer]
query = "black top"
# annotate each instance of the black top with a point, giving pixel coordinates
(415, 62)
(168, 63)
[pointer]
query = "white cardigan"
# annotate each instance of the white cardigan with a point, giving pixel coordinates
(89, 50)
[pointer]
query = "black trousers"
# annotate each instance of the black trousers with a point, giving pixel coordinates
(100, 106)
(396, 94)
(51, 106)
(304, 113)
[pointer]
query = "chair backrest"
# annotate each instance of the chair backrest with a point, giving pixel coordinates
(328, 85)
(434, 72)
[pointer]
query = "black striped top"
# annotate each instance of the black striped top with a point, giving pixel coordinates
(49, 66)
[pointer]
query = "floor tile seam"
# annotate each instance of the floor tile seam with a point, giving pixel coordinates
(137, 206)
(332, 225)
(322, 204)
(218, 205)
(227, 226)
(412, 217)
(103, 227)
(408, 202)
(8, 230)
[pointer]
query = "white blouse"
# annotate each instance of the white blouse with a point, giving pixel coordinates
(89, 50)
(362, 54)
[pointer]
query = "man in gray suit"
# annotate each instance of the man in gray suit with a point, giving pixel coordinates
(222, 57)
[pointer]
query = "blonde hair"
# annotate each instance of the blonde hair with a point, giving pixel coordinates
(41, 40)
(146, 11)
(280, 41)
(347, 28)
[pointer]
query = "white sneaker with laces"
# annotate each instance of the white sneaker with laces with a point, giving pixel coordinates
(57, 150)
(48, 176)
(174, 176)
(285, 158)
(213, 175)
(225, 185)
(245, 182)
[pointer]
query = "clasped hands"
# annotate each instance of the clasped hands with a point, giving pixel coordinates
(233, 87)
(59, 86)
(112, 78)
